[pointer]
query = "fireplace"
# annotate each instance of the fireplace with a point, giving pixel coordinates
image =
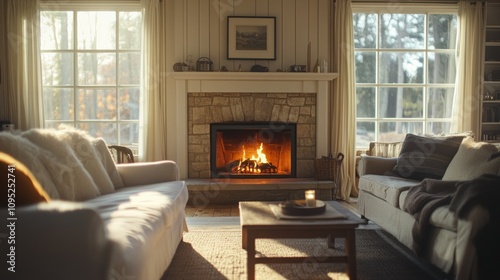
(253, 149)
(211, 97)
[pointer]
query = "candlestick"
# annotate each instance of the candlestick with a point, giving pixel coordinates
(310, 198)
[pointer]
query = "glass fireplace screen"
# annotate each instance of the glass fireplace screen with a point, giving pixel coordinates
(253, 149)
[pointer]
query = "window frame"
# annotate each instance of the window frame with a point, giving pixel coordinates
(403, 8)
(98, 6)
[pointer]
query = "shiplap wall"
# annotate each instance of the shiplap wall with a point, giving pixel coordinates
(200, 30)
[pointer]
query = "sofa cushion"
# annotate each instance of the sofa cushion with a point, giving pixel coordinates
(387, 188)
(426, 157)
(473, 154)
(137, 218)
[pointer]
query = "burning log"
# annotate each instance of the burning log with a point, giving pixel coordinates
(251, 166)
(230, 167)
(254, 165)
(268, 168)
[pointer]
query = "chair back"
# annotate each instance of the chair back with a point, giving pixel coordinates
(384, 149)
(121, 154)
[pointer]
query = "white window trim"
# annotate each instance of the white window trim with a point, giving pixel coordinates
(90, 5)
(74, 7)
(409, 8)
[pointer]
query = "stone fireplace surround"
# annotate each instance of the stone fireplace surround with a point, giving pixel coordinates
(207, 108)
(248, 96)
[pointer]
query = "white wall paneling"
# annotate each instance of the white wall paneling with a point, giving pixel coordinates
(200, 30)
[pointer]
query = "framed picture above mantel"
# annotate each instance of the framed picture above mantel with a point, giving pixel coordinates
(251, 38)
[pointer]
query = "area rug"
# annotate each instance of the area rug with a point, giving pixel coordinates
(217, 254)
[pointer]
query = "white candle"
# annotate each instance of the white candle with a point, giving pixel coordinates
(310, 198)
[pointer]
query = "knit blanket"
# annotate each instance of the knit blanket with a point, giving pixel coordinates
(461, 196)
(421, 201)
(68, 163)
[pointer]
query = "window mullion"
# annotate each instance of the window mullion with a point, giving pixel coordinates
(76, 68)
(118, 82)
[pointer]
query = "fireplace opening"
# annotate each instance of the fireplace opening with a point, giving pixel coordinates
(253, 150)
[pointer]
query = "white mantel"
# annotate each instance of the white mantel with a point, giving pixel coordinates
(248, 82)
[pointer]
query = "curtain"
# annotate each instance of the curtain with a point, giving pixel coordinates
(466, 115)
(343, 102)
(22, 86)
(153, 122)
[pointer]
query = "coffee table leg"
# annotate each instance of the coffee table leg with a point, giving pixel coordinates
(331, 242)
(244, 238)
(250, 243)
(351, 254)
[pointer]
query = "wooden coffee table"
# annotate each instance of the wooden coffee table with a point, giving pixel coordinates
(258, 221)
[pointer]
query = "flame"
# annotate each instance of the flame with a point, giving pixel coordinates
(261, 156)
(258, 159)
(242, 157)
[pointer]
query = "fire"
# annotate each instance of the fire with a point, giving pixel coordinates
(256, 164)
(261, 157)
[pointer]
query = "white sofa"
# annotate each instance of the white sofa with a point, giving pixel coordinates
(450, 246)
(126, 224)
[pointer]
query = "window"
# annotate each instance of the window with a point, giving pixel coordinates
(405, 73)
(91, 72)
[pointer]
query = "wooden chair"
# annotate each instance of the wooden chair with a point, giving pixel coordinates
(121, 154)
(384, 149)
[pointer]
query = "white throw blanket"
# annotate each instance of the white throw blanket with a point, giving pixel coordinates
(68, 163)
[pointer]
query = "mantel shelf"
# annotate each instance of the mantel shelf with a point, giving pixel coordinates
(255, 76)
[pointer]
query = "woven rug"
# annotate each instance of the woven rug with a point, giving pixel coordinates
(217, 254)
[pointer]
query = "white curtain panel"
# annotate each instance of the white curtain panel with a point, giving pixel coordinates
(343, 103)
(153, 97)
(466, 115)
(22, 86)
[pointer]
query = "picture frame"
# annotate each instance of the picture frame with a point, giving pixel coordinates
(251, 38)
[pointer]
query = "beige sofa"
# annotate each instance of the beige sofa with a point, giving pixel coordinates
(100, 220)
(383, 193)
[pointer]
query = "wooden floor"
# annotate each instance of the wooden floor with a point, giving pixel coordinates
(233, 210)
(213, 211)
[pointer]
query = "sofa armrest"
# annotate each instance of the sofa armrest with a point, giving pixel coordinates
(375, 165)
(145, 173)
(55, 240)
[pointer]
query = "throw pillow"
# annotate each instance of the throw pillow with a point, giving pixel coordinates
(107, 161)
(75, 184)
(85, 151)
(473, 160)
(40, 162)
(20, 185)
(426, 157)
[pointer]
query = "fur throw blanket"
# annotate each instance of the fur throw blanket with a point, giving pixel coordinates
(68, 163)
